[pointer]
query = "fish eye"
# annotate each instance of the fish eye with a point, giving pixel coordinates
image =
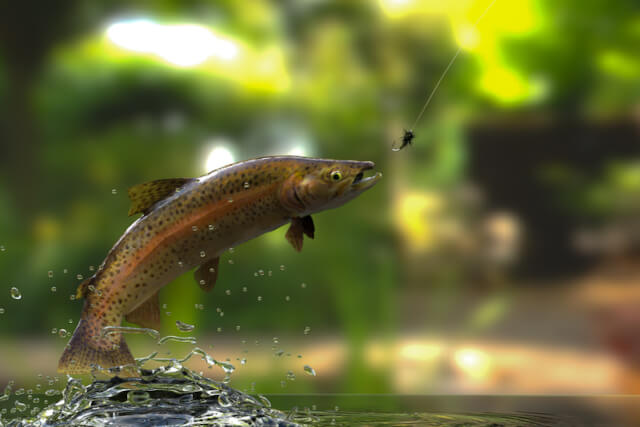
(336, 175)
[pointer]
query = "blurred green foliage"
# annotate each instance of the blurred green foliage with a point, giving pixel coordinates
(89, 119)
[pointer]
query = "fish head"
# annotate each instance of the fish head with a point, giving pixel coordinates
(320, 184)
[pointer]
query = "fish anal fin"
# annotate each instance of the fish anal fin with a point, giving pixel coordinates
(144, 196)
(207, 274)
(147, 314)
(88, 348)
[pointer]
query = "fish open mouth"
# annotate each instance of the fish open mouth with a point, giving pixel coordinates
(361, 183)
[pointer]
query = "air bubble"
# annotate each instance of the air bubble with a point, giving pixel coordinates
(202, 282)
(72, 297)
(228, 292)
(1, 310)
(54, 331)
(54, 289)
(309, 370)
(246, 185)
(244, 289)
(261, 272)
(282, 267)
(2, 248)
(79, 277)
(230, 261)
(291, 376)
(114, 191)
(15, 293)
(287, 298)
(203, 254)
(50, 274)
(307, 330)
(62, 333)
(194, 228)
(237, 327)
(211, 227)
(303, 285)
(259, 298)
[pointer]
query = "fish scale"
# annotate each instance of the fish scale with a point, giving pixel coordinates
(190, 222)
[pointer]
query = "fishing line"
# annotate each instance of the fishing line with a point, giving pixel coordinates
(408, 134)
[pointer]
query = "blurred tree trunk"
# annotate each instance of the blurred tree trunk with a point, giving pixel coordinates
(28, 32)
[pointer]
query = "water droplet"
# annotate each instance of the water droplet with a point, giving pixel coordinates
(270, 273)
(164, 306)
(259, 298)
(303, 285)
(228, 292)
(200, 306)
(114, 191)
(261, 272)
(202, 254)
(15, 293)
(222, 314)
(307, 330)
(309, 370)
(218, 309)
(230, 200)
(299, 356)
(50, 274)
(230, 261)
(62, 333)
(91, 268)
(237, 327)
(279, 353)
(2, 248)
(291, 376)
(219, 329)
(1, 310)
(54, 331)
(243, 361)
(244, 289)
(282, 267)
(194, 228)
(246, 185)
(70, 321)
(72, 297)
(212, 270)
(202, 282)
(287, 298)
(79, 277)
(20, 406)
(168, 313)
(54, 289)
(211, 227)
(276, 340)
(283, 384)
(231, 250)
(51, 392)
(184, 327)
(65, 271)
(138, 397)
(180, 264)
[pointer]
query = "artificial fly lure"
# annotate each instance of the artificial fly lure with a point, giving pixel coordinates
(409, 135)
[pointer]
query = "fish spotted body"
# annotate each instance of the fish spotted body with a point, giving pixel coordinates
(189, 223)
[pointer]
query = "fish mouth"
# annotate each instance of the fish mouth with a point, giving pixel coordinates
(360, 183)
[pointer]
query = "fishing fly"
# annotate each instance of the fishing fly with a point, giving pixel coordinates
(409, 134)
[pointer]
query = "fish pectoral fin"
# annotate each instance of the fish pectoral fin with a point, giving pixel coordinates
(307, 226)
(144, 196)
(83, 287)
(299, 227)
(207, 274)
(147, 314)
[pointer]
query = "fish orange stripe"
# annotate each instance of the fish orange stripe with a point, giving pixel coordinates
(179, 228)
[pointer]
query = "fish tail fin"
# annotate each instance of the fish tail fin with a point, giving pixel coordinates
(88, 348)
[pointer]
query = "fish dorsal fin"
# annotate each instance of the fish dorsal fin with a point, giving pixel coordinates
(147, 314)
(207, 274)
(83, 287)
(299, 227)
(144, 196)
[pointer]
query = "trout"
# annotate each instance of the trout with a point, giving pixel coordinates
(190, 222)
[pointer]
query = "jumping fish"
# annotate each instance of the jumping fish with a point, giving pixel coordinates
(190, 222)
